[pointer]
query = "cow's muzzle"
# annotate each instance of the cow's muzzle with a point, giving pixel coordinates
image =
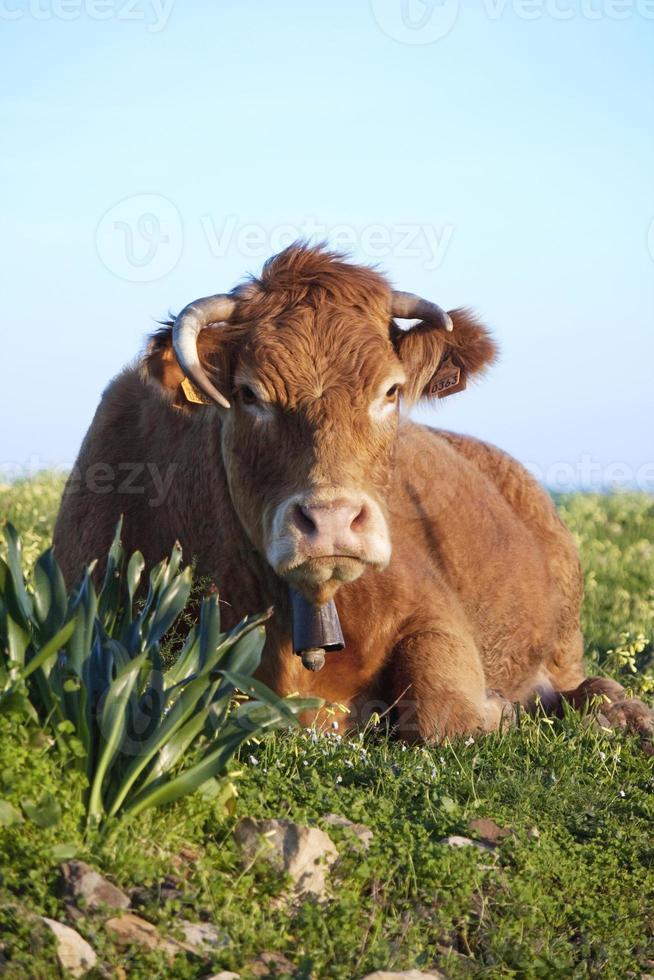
(323, 538)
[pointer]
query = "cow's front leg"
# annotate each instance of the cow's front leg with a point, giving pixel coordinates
(439, 688)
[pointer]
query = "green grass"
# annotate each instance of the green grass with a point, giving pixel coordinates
(576, 900)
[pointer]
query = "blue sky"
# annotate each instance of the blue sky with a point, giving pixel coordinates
(492, 153)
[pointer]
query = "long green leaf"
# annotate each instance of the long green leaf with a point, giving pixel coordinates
(50, 649)
(84, 604)
(255, 689)
(50, 599)
(18, 640)
(14, 560)
(110, 593)
(112, 724)
(135, 568)
(168, 607)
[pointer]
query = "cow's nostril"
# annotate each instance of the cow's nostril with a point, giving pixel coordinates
(360, 519)
(303, 520)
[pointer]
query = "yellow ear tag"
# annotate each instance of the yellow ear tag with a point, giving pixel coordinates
(193, 394)
(449, 379)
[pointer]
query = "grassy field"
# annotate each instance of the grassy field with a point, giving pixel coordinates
(568, 893)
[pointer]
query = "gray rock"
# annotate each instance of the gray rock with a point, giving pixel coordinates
(405, 975)
(203, 936)
(74, 953)
(455, 840)
(270, 964)
(82, 882)
(128, 929)
(305, 853)
(488, 831)
(363, 833)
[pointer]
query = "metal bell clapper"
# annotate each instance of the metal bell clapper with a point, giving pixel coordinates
(316, 631)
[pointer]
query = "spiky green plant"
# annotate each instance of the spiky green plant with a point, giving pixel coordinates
(89, 668)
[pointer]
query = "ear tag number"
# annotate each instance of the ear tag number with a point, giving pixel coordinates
(193, 394)
(448, 379)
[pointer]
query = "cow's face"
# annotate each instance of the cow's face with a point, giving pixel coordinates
(308, 445)
(315, 384)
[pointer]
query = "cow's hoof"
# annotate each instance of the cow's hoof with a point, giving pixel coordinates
(631, 714)
(500, 713)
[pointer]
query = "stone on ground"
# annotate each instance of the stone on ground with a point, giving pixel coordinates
(202, 936)
(404, 975)
(73, 952)
(363, 833)
(305, 853)
(131, 930)
(82, 882)
(455, 840)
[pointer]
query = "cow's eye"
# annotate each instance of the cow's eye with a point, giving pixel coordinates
(393, 392)
(248, 396)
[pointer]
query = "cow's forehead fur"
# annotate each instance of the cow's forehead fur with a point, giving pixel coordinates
(315, 323)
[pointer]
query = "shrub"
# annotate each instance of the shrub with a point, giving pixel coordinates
(89, 668)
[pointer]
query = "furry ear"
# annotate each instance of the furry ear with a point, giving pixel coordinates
(160, 366)
(424, 348)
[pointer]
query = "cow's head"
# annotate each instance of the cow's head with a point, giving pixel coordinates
(309, 370)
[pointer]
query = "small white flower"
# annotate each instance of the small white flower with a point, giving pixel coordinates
(622, 793)
(339, 779)
(253, 760)
(470, 740)
(602, 756)
(335, 726)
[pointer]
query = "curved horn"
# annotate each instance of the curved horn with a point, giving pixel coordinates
(186, 330)
(408, 306)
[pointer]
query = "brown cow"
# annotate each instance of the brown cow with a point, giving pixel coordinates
(457, 585)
